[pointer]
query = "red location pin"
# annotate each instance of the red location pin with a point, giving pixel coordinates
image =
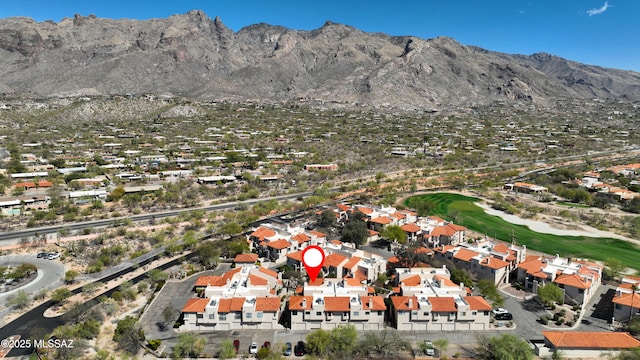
(313, 259)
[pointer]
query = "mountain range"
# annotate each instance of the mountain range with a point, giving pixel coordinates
(194, 56)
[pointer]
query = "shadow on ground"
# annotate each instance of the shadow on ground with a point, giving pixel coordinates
(604, 308)
(532, 305)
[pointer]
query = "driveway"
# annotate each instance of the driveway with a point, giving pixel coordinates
(173, 294)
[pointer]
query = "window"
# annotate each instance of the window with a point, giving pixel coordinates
(464, 313)
(211, 316)
(200, 316)
(580, 291)
(379, 312)
(356, 313)
(319, 313)
(425, 313)
(238, 316)
(223, 317)
(248, 315)
(366, 313)
(474, 313)
(618, 307)
(259, 315)
(294, 313)
(307, 312)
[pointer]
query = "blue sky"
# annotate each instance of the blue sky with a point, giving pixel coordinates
(599, 32)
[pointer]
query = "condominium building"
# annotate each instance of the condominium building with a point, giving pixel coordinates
(430, 301)
(327, 303)
(578, 278)
(243, 298)
(626, 301)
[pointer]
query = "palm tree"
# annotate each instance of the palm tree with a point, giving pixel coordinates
(634, 288)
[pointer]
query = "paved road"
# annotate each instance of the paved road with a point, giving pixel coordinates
(174, 294)
(14, 237)
(50, 274)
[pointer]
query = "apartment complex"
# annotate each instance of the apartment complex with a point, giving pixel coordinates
(274, 242)
(429, 301)
(626, 301)
(327, 303)
(579, 279)
(243, 298)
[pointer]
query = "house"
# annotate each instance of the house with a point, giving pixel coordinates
(524, 187)
(626, 301)
(275, 241)
(429, 301)
(581, 344)
(243, 298)
(482, 266)
(16, 205)
(445, 234)
(243, 260)
(328, 303)
(579, 278)
(319, 167)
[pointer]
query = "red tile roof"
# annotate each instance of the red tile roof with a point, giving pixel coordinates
(333, 260)
(296, 255)
(443, 304)
(384, 220)
(317, 234)
(401, 303)
(465, 254)
(268, 272)
(478, 303)
(373, 232)
(591, 340)
(414, 280)
(246, 258)
(393, 259)
(493, 263)
(353, 282)
(352, 262)
(365, 210)
(501, 248)
(411, 228)
(632, 300)
(45, 183)
(343, 207)
(26, 184)
(279, 244)
(336, 303)
(532, 265)
(377, 303)
(262, 232)
(573, 280)
(446, 282)
(206, 280)
(257, 280)
(195, 305)
(301, 238)
(268, 304)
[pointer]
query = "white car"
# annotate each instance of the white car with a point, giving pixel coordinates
(253, 349)
(429, 350)
(499, 311)
(53, 256)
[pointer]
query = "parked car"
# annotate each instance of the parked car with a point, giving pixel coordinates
(299, 349)
(253, 348)
(236, 345)
(499, 311)
(53, 256)
(266, 345)
(42, 255)
(428, 348)
(504, 316)
(287, 349)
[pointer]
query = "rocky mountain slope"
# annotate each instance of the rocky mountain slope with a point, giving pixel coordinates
(195, 56)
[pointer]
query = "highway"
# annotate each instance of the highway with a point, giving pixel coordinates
(14, 237)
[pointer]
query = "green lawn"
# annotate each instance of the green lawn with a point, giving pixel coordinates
(474, 218)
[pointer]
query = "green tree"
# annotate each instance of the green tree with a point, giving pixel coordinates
(381, 345)
(231, 228)
(441, 345)
(504, 347)
(627, 354)
(60, 294)
(227, 351)
(318, 342)
(207, 254)
(70, 276)
(550, 293)
(394, 233)
(490, 291)
(128, 335)
(327, 219)
(613, 267)
(459, 276)
(339, 343)
(355, 231)
(20, 300)
(188, 346)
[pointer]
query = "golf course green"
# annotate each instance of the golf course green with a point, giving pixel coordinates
(475, 218)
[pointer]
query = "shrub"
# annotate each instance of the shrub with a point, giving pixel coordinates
(544, 320)
(154, 344)
(560, 322)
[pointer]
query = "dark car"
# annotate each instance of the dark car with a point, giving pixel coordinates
(504, 316)
(266, 345)
(42, 255)
(299, 349)
(236, 345)
(287, 349)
